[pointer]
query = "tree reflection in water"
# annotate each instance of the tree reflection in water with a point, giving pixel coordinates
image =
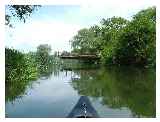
(120, 87)
(18, 88)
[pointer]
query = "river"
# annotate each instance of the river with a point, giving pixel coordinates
(113, 91)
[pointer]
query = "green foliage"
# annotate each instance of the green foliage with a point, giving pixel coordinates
(138, 40)
(18, 66)
(19, 11)
(111, 29)
(11, 64)
(21, 69)
(119, 41)
(87, 41)
(32, 69)
(42, 54)
(43, 59)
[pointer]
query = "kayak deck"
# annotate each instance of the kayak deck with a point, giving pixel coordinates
(83, 109)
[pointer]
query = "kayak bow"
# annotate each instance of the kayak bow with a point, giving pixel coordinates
(83, 109)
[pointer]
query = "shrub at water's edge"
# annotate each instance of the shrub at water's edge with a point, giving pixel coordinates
(21, 68)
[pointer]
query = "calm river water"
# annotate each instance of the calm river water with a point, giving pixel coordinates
(113, 92)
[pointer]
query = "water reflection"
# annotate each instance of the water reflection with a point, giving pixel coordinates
(17, 89)
(116, 87)
(119, 87)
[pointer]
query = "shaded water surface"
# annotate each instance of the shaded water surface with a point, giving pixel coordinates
(113, 92)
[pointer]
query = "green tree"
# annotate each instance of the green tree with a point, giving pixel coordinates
(119, 41)
(111, 28)
(87, 41)
(44, 59)
(19, 11)
(138, 40)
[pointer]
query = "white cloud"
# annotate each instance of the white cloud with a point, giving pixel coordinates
(30, 35)
(131, 3)
(92, 11)
(109, 8)
(57, 33)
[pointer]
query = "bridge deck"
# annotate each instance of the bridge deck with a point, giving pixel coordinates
(93, 57)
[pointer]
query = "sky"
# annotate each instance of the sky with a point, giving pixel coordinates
(57, 24)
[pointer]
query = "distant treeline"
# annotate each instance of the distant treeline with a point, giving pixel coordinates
(21, 68)
(119, 41)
